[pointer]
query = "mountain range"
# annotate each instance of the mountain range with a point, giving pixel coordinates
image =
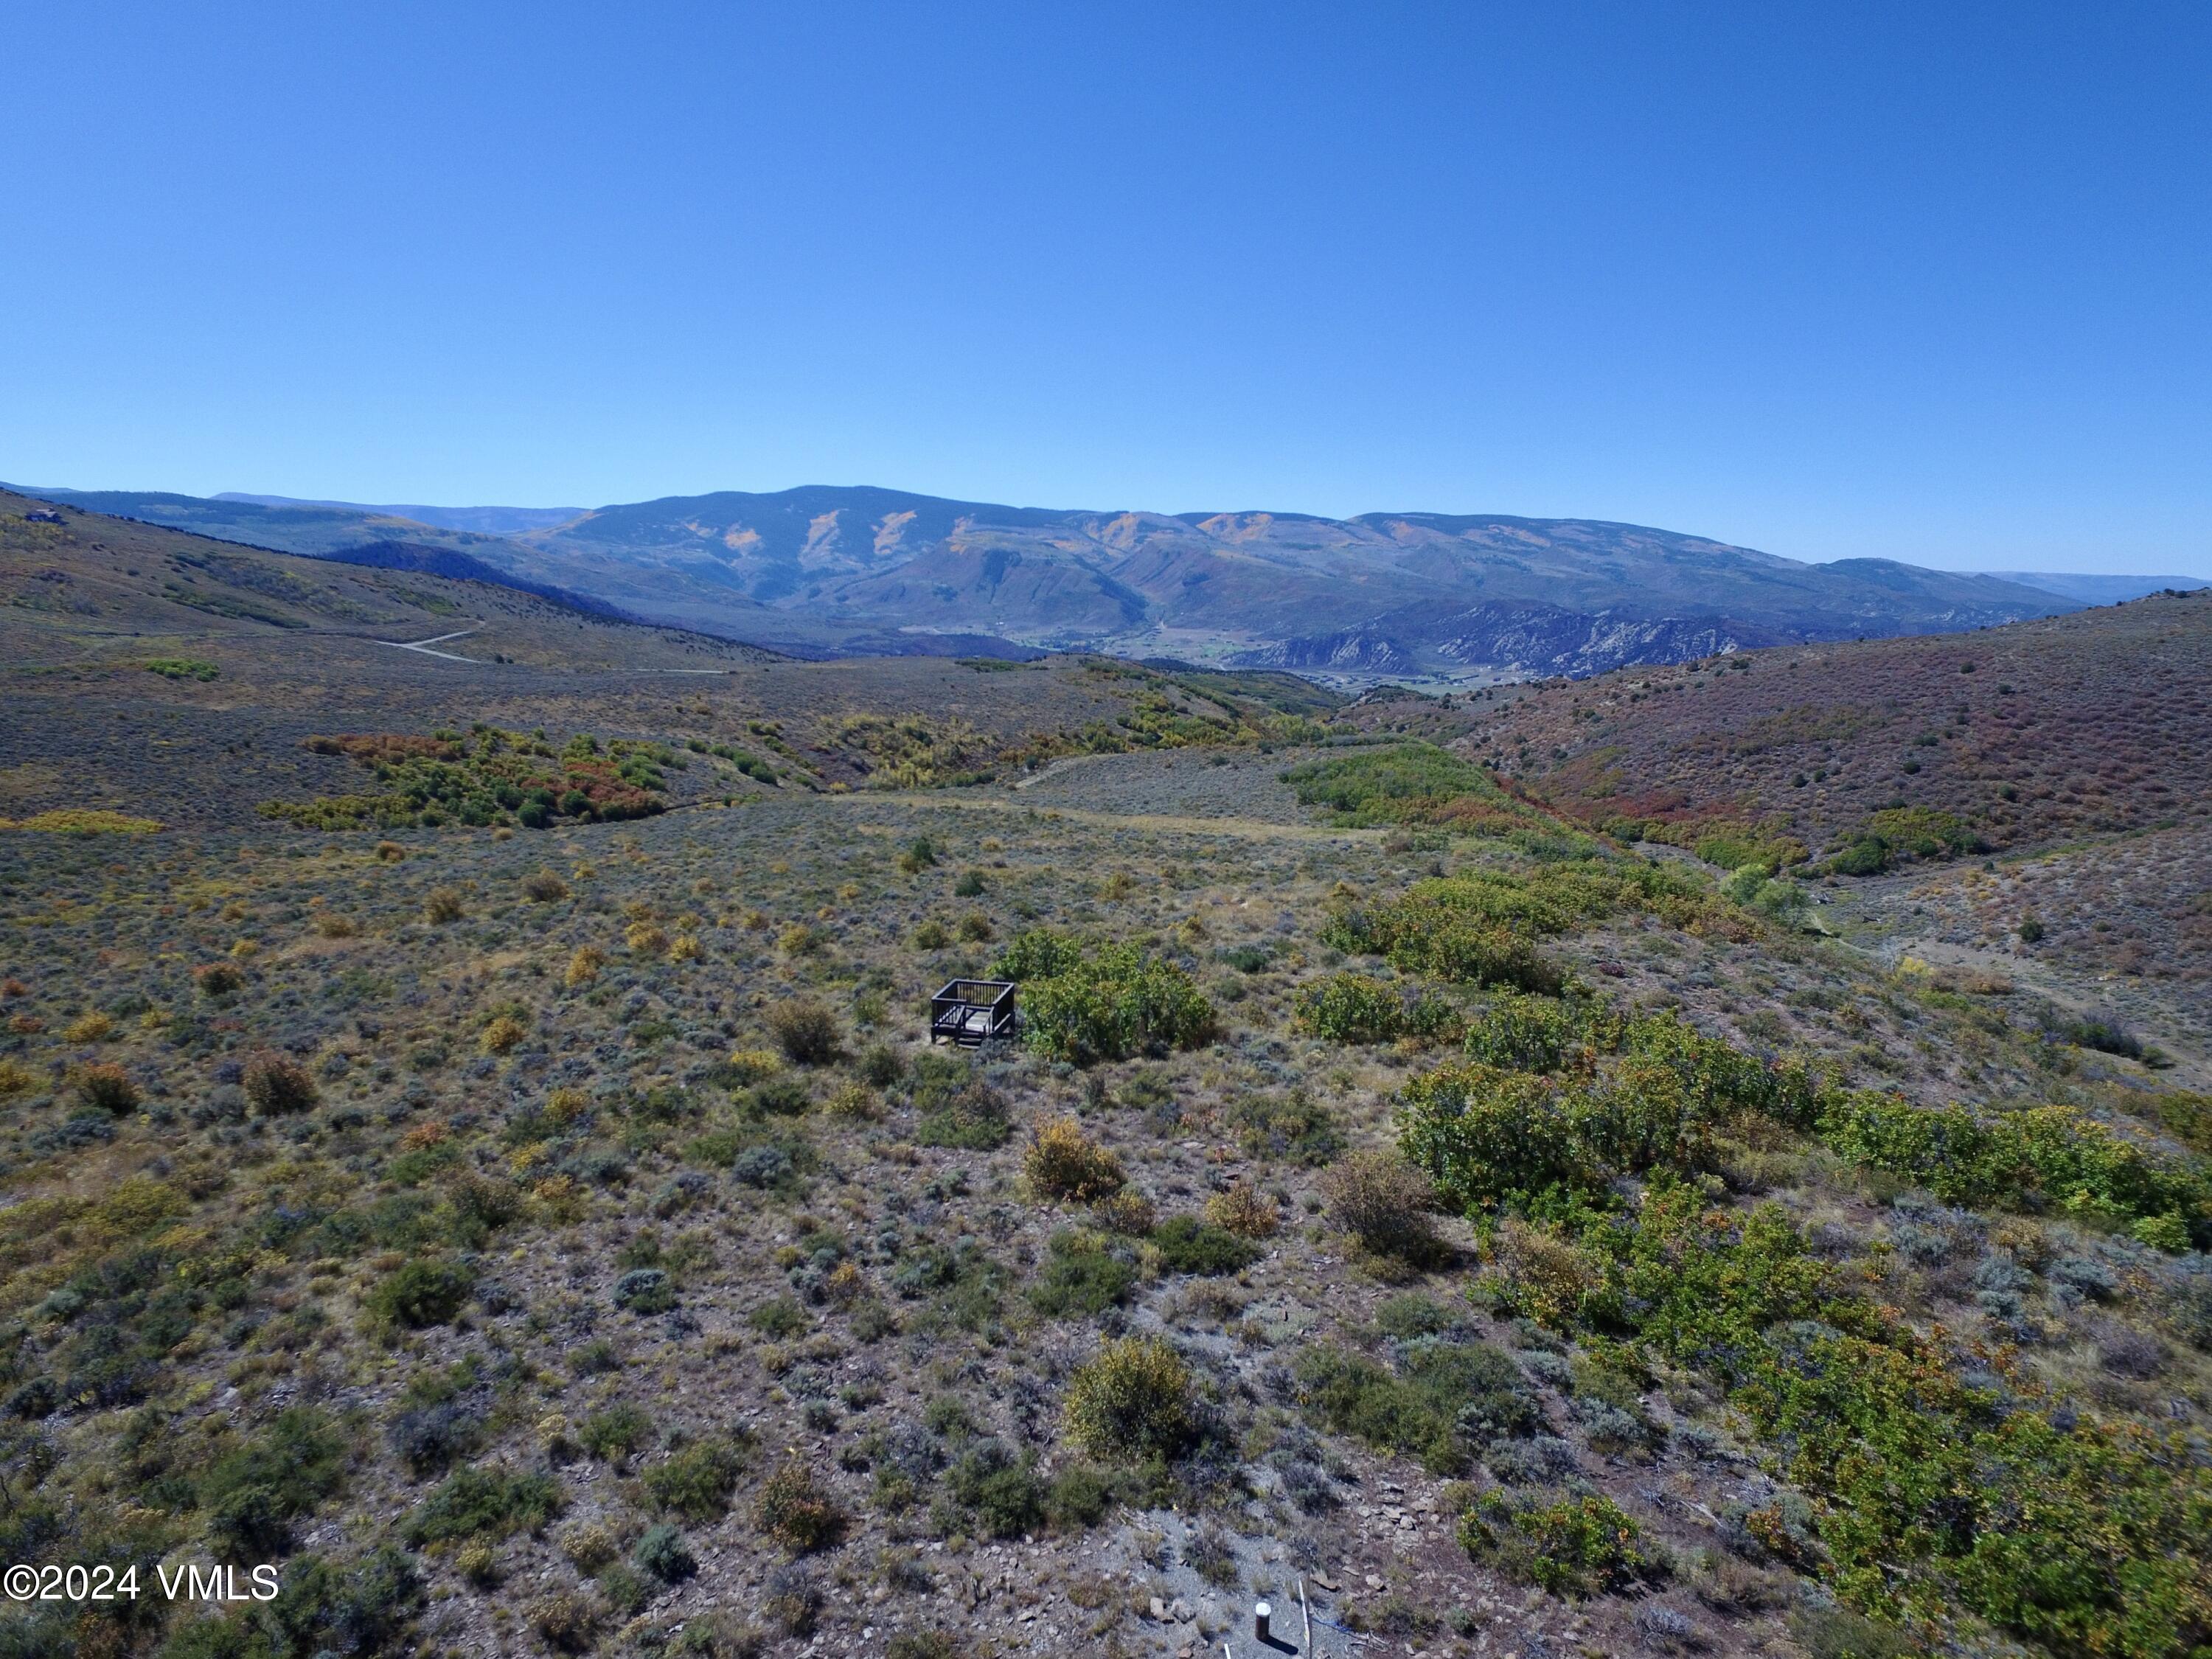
(835, 570)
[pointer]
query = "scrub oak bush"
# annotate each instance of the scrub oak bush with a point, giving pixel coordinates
(1479, 928)
(1383, 1202)
(218, 979)
(806, 1030)
(1931, 1491)
(1083, 1001)
(1359, 1008)
(1411, 783)
(1438, 1401)
(1245, 1210)
(277, 1085)
(1540, 1033)
(1063, 1162)
(1133, 1401)
(421, 1293)
(1188, 1245)
(544, 887)
(2039, 1154)
(694, 1482)
(1570, 1544)
(796, 1512)
(106, 1088)
(1488, 1135)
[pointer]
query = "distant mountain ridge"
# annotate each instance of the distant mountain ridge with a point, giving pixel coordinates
(480, 520)
(1384, 595)
(2092, 587)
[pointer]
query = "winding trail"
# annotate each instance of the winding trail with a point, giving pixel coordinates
(424, 645)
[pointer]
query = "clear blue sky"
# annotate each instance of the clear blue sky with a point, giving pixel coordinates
(1925, 282)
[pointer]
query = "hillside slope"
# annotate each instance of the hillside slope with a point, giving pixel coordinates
(2032, 800)
(2092, 723)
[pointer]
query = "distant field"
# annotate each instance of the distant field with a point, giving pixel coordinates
(1203, 784)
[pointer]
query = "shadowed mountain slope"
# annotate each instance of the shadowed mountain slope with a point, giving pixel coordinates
(1383, 595)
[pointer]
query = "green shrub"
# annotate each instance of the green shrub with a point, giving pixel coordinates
(1384, 1202)
(1078, 1497)
(1188, 1245)
(183, 668)
(921, 1644)
(1925, 832)
(778, 1096)
(1407, 783)
(105, 1087)
(1569, 1544)
(1862, 854)
(1358, 1008)
(625, 1589)
(1356, 1396)
(615, 1433)
(1487, 1136)
(1755, 887)
(795, 1510)
(253, 1494)
(882, 1065)
(1479, 928)
(1002, 1492)
(958, 1109)
(1294, 1128)
(2086, 1537)
(1483, 1135)
(1441, 1398)
(2039, 1154)
(1735, 846)
(320, 1607)
(1133, 1401)
(1081, 1276)
(694, 1482)
(1410, 1315)
(806, 1030)
(663, 1553)
(645, 1290)
(422, 1293)
(484, 1502)
(1101, 1001)
(277, 1085)
(779, 1320)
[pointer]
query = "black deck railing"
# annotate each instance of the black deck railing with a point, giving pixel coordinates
(973, 1011)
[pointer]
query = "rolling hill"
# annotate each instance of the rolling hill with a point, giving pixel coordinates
(2092, 723)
